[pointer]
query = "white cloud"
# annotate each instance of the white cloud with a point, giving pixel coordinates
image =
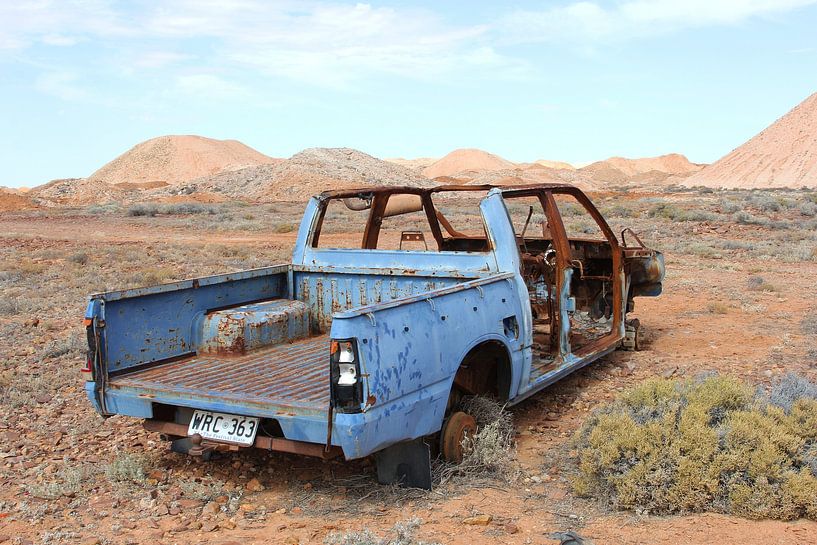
(57, 22)
(61, 84)
(208, 86)
(60, 40)
(159, 59)
(326, 43)
(585, 21)
(335, 44)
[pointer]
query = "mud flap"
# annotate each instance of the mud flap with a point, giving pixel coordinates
(407, 464)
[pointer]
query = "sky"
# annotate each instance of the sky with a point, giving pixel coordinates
(83, 81)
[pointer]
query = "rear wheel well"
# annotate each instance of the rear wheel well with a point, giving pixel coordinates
(485, 370)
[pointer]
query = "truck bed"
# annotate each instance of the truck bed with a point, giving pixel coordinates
(284, 375)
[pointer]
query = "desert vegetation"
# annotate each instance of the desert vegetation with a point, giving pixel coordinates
(706, 444)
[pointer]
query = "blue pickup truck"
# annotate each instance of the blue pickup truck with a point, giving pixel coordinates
(398, 303)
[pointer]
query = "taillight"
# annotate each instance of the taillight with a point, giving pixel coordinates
(90, 355)
(344, 371)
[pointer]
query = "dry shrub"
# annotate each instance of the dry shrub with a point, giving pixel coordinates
(80, 258)
(491, 452)
(712, 444)
(127, 469)
(808, 325)
(11, 306)
(758, 283)
(149, 210)
(717, 308)
(68, 481)
(151, 276)
(403, 533)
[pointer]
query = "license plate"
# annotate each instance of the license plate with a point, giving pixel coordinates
(231, 428)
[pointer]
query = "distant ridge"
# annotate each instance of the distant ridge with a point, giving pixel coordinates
(177, 159)
(466, 159)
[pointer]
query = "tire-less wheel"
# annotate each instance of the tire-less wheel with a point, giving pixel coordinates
(456, 430)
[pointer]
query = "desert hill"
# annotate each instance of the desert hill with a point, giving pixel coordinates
(467, 159)
(672, 163)
(554, 164)
(784, 154)
(176, 159)
(306, 173)
(415, 164)
(619, 170)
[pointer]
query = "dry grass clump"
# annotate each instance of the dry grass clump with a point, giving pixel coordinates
(403, 533)
(491, 452)
(712, 444)
(127, 469)
(68, 481)
(808, 325)
(757, 283)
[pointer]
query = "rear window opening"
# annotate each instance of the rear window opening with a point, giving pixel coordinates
(448, 221)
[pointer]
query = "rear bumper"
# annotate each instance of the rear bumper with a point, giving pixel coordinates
(358, 435)
(261, 442)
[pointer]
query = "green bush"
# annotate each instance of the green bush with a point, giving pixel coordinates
(712, 444)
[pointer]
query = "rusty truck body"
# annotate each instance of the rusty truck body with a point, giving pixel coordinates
(365, 343)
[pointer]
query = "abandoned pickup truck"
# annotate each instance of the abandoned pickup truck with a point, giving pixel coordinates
(398, 302)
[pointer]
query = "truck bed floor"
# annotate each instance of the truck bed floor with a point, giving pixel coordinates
(291, 374)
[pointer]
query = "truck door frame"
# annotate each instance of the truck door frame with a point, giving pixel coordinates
(564, 272)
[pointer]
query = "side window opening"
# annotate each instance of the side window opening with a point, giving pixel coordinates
(343, 224)
(591, 283)
(530, 224)
(460, 218)
(579, 224)
(405, 226)
(535, 242)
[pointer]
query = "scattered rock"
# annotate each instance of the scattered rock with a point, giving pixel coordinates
(254, 485)
(478, 520)
(211, 508)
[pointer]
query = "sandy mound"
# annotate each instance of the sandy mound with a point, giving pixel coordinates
(462, 160)
(782, 155)
(414, 164)
(543, 175)
(554, 164)
(644, 171)
(673, 163)
(12, 199)
(75, 192)
(177, 159)
(305, 174)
